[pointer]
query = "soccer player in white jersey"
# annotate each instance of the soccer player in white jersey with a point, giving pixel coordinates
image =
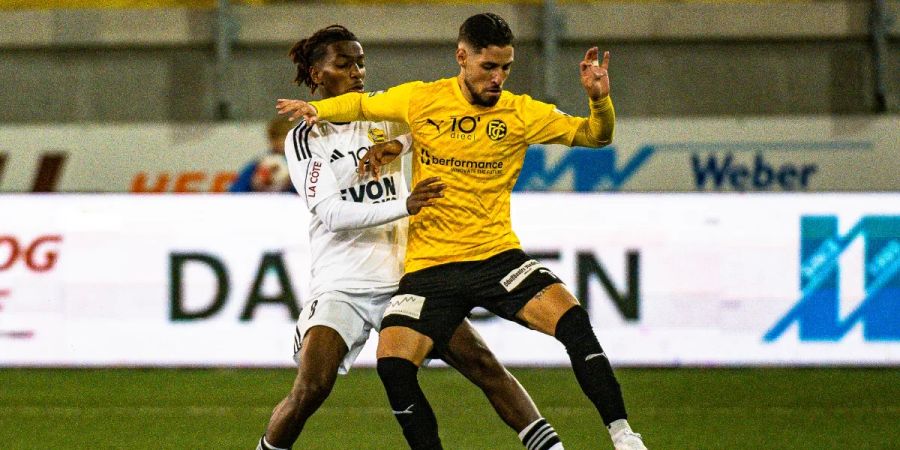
(357, 244)
(463, 253)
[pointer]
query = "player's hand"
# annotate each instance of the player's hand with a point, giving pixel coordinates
(296, 109)
(377, 156)
(595, 74)
(424, 194)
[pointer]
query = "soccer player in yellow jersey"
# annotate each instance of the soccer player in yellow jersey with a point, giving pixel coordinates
(462, 252)
(350, 293)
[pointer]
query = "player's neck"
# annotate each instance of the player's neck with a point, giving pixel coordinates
(461, 81)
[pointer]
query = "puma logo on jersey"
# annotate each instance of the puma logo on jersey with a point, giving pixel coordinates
(436, 125)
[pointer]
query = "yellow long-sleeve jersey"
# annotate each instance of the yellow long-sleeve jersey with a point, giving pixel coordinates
(477, 152)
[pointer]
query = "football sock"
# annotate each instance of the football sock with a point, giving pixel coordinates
(540, 435)
(408, 403)
(589, 362)
(265, 445)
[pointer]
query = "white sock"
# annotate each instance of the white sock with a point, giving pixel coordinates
(617, 428)
(528, 428)
(265, 445)
(540, 435)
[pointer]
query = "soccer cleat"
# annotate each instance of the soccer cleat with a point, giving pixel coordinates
(628, 440)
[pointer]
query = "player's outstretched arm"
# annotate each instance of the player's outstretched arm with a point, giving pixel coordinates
(296, 109)
(595, 74)
(597, 130)
(424, 195)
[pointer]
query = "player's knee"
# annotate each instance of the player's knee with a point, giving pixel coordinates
(312, 390)
(575, 332)
(396, 371)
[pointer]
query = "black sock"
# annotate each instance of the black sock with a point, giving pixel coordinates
(409, 404)
(589, 362)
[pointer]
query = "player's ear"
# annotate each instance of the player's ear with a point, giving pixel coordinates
(315, 75)
(461, 55)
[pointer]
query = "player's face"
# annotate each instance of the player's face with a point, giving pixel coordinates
(485, 72)
(341, 70)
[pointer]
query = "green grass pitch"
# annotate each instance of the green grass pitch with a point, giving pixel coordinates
(770, 408)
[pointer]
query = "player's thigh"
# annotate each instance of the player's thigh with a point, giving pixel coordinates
(336, 317)
(546, 307)
(321, 354)
(422, 315)
(517, 287)
(403, 342)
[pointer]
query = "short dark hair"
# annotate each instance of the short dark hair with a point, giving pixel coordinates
(485, 29)
(307, 52)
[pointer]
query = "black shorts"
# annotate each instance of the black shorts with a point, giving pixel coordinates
(434, 301)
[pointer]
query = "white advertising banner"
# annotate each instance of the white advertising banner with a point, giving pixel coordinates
(778, 154)
(668, 279)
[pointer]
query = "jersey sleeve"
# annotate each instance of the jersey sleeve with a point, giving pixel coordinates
(544, 124)
(339, 215)
(310, 172)
(391, 105)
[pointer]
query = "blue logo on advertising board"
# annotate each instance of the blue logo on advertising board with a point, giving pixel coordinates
(817, 313)
(591, 169)
(719, 166)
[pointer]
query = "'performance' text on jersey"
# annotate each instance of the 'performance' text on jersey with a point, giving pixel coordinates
(477, 151)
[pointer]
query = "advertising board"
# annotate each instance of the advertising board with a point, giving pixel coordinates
(668, 279)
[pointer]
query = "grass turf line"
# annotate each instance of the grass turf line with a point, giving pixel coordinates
(822, 408)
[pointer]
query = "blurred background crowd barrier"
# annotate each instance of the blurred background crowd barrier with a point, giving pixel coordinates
(747, 213)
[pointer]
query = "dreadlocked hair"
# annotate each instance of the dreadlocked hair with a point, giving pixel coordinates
(307, 52)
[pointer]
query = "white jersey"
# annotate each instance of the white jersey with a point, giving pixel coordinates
(322, 160)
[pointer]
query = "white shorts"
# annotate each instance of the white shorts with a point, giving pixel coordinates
(353, 314)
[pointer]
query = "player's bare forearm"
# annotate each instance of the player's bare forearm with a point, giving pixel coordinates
(378, 156)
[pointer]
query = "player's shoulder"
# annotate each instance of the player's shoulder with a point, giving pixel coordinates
(434, 94)
(444, 85)
(407, 88)
(525, 104)
(305, 140)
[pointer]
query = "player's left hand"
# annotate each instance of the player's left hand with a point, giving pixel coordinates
(296, 109)
(377, 156)
(425, 194)
(595, 74)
